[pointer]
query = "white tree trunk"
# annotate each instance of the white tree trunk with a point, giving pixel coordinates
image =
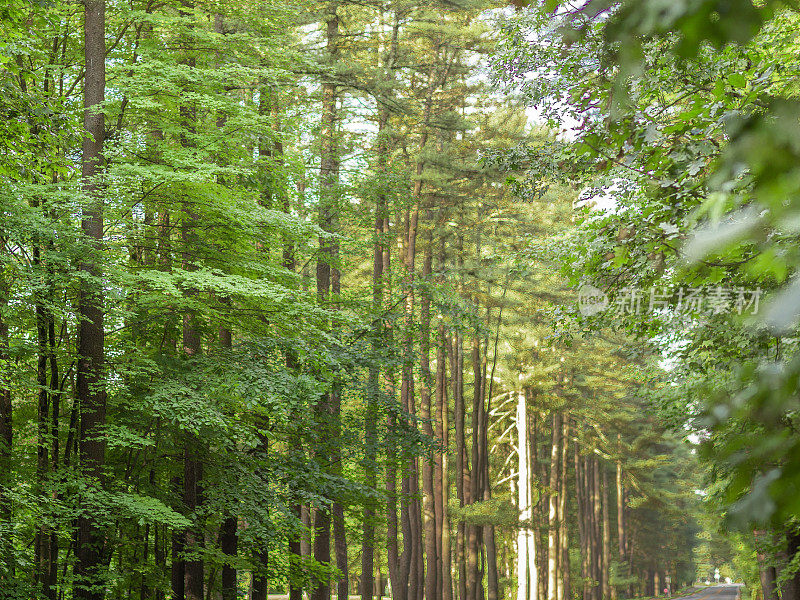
(527, 584)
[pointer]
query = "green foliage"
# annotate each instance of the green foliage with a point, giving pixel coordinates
(500, 511)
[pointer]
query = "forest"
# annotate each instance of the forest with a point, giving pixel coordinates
(408, 299)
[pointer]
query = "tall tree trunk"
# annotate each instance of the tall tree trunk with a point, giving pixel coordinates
(178, 570)
(7, 571)
(538, 570)
(193, 469)
(329, 176)
(580, 493)
(291, 361)
(380, 255)
(597, 559)
(563, 592)
(228, 538)
(527, 578)
(228, 534)
(552, 502)
(621, 538)
(492, 583)
(339, 533)
(305, 542)
(55, 408)
(429, 509)
(397, 580)
(91, 390)
(457, 368)
(443, 471)
(476, 476)
(409, 505)
(604, 574)
(588, 482)
(440, 423)
(42, 537)
(373, 384)
(192, 499)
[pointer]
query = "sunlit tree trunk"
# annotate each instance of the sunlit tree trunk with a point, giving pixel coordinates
(552, 503)
(563, 591)
(580, 494)
(527, 579)
(537, 472)
(621, 537)
(597, 558)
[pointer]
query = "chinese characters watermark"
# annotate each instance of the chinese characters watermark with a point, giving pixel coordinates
(682, 299)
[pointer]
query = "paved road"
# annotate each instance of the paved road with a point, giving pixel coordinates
(715, 592)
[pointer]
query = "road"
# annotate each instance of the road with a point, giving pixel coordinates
(715, 592)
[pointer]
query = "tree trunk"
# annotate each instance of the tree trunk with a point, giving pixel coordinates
(396, 581)
(766, 571)
(621, 539)
(476, 477)
(55, 408)
(41, 539)
(379, 257)
(178, 569)
(429, 509)
(597, 559)
(538, 569)
(340, 543)
(373, 384)
(580, 493)
(526, 580)
(339, 533)
(192, 471)
(563, 533)
(329, 176)
(552, 502)
(192, 499)
(308, 522)
(604, 573)
(91, 391)
(443, 434)
(790, 590)
(228, 538)
(490, 542)
(6, 440)
(412, 569)
(457, 368)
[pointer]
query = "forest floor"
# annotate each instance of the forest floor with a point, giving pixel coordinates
(710, 592)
